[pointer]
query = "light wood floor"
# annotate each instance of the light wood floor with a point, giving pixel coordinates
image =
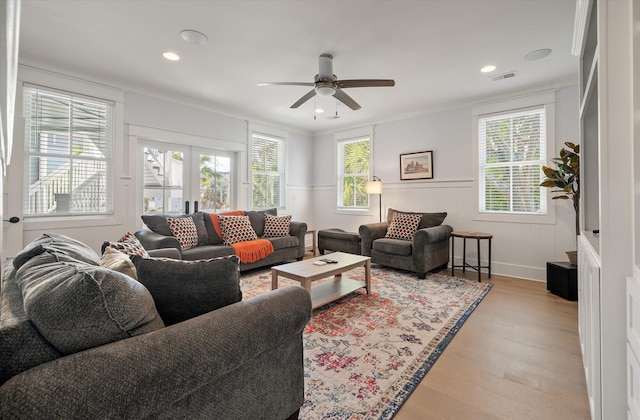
(516, 357)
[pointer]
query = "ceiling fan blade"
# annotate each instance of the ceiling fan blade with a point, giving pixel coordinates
(346, 99)
(364, 83)
(305, 98)
(284, 84)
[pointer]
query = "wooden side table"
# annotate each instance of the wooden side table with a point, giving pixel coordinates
(314, 247)
(470, 235)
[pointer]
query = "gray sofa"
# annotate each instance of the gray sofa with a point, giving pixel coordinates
(210, 245)
(78, 341)
(428, 250)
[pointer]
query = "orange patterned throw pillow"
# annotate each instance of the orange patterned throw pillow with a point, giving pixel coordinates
(275, 226)
(236, 229)
(403, 226)
(184, 229)
(128, 244)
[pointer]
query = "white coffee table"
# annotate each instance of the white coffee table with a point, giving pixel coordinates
(331, 289)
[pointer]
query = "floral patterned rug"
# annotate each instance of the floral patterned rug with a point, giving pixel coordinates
(364, 355)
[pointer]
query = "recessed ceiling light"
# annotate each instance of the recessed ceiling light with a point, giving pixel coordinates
(171, 56)
(319, 110)
(487, 69)
(194, 37)
(537, 54)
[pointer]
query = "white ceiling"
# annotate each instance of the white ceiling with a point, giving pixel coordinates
(434, 50)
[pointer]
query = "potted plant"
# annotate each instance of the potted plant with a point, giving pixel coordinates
(566, 179)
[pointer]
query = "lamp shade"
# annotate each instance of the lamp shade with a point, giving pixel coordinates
(374, 187)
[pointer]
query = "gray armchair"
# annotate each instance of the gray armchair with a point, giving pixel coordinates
(428, 250)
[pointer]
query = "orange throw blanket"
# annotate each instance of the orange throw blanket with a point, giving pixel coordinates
(252, 251)
(248, 251)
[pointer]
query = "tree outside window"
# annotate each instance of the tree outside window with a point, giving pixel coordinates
(353, 173)
(512, 151)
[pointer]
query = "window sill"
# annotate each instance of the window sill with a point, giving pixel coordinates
(541, 219)
(64, 222)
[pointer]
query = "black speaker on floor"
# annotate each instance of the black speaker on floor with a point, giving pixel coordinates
(562, 280)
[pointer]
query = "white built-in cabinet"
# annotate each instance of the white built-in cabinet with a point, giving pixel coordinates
(608, 241)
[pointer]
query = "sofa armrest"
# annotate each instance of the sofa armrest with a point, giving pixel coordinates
(368, 234)
(243, 361)
(431, 235)
(299, 230)
(151, 240)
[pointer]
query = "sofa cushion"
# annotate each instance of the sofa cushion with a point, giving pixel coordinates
(212, 236)
(281, 242)
(185, 289)
(206, 252)
(184, 230)
(236, 229)
(76, 306)
(64, 247)
(393, 246)
(128, 244)
(158, 224)
(428, 219)
(275, 226)
(115, 260)
(257, 218)
(403, 226)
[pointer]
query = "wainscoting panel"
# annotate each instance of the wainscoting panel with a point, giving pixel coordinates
(518, 249)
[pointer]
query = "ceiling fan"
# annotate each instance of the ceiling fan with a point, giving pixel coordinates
(327, 84)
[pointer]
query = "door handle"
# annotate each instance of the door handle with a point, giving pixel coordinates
(13, 219)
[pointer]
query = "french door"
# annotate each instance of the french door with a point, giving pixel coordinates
(181, 179)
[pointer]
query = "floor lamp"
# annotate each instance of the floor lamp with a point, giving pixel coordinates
(375, 187)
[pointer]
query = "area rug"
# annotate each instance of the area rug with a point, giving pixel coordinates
(365, 354)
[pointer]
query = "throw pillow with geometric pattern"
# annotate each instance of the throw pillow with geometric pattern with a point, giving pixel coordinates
(236, 229)
(184, 229)
(128, 244)
(275, 226)
(403, 226)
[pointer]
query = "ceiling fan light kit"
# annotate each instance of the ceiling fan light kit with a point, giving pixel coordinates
(327, 84)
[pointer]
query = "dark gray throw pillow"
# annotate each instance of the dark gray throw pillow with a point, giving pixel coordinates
(185, 289)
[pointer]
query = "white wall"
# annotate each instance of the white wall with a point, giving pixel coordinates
(519, 249)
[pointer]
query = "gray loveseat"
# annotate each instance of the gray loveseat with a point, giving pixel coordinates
(428, 250)
(79, 341)
(210, 245)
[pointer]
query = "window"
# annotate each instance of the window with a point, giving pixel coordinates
(512, 150)
(267, 171)
(68, 154)
(167, 170)
(353, 173)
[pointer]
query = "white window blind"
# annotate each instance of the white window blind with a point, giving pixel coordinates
(267, 170)
(512, 150)
(68, 153)
(353, 172)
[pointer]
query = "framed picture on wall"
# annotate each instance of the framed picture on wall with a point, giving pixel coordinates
(418, 165)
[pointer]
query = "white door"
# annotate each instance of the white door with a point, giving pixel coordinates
(180, 179)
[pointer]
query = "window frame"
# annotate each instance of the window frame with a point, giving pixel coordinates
(544, 100)
(281, 172)
(341, 139)
(74, 91)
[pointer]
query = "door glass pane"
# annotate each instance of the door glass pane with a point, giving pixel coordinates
(215, 182)
(163, 184)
